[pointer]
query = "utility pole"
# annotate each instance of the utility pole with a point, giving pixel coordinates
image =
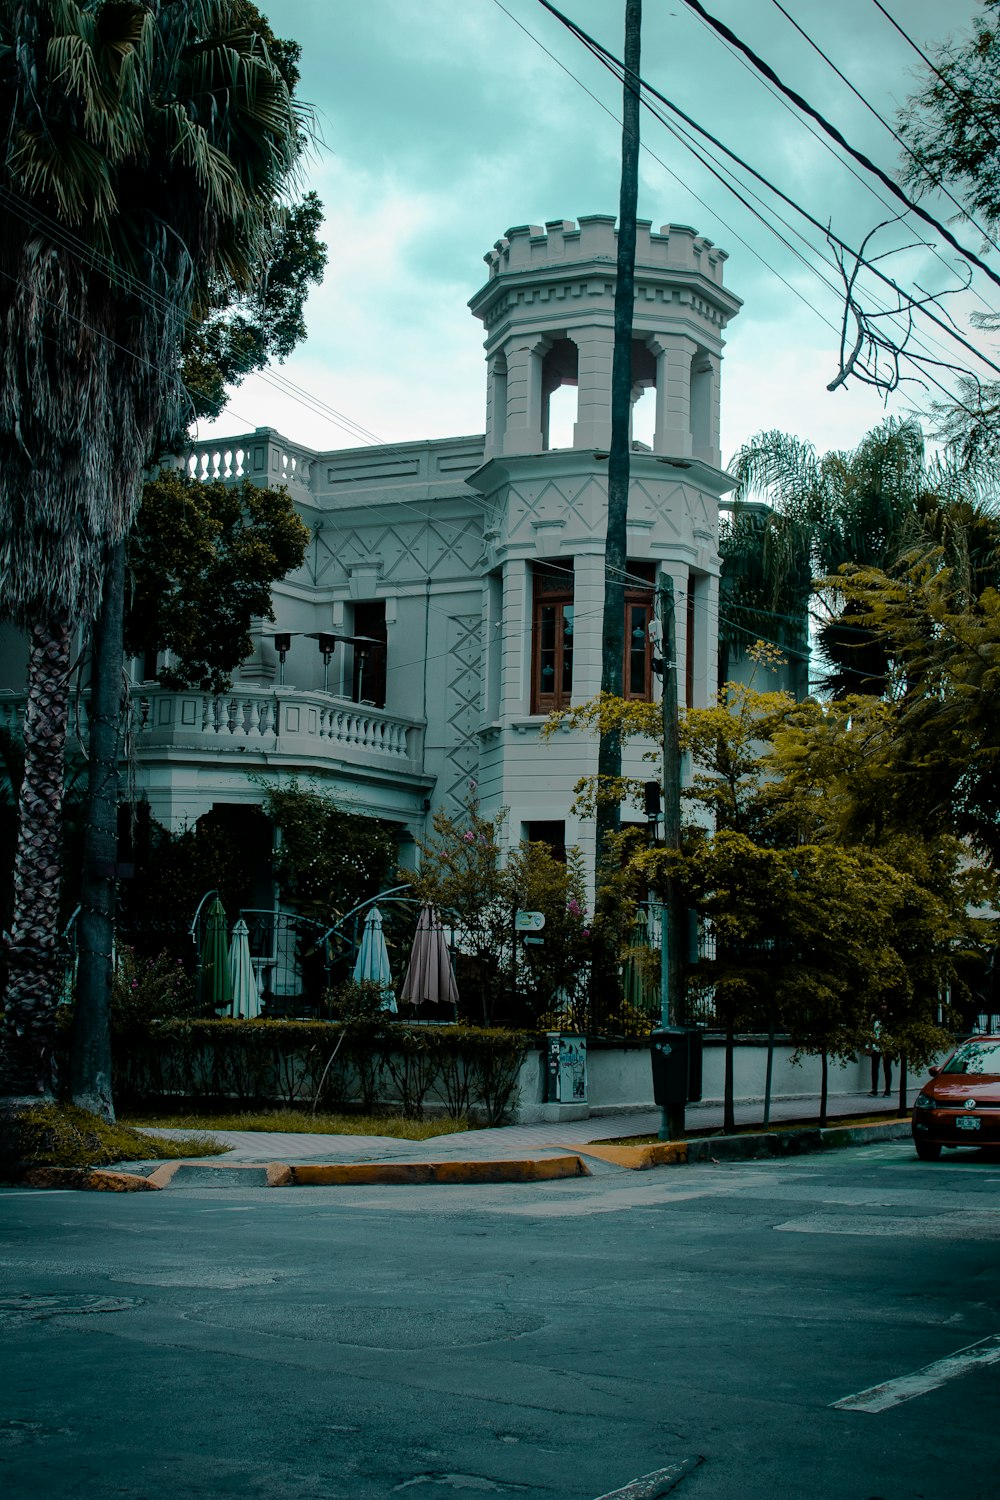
(609, 753)
(672, 1122)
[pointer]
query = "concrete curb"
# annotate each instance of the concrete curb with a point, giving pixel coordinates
(87, 1180)
(746, 1147)
(546, 1169)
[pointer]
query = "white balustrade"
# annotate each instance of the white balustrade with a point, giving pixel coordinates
(208, 463)
(267, 718)
(275, 720)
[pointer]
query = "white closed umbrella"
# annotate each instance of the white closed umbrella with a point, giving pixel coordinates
(372, 962)
(246, 996)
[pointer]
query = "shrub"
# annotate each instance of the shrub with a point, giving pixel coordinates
(249, 1064)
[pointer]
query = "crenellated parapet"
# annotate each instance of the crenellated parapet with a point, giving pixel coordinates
(548, 310)
(675, 247)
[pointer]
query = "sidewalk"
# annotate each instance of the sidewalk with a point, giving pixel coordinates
(521, 1142)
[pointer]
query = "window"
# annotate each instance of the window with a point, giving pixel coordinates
(548, 832)
(369, 652)
(637, 669)
(552, 638)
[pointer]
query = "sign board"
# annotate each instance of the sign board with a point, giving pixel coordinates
(529, 921)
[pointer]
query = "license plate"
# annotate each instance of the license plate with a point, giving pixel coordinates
(968, 1122)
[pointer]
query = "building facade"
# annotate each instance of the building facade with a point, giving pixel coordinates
(452, 594)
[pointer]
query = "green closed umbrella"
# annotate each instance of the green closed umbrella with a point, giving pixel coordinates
(216, 988)
(639, 992)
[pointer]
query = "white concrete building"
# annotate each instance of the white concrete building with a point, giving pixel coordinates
(452, 594)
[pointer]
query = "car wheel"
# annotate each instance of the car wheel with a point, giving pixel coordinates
(927, 1150)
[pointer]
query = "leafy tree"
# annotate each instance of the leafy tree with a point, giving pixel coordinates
(329, 859)
(203, 559)
(464, 874)
(949, 127)
(238, 335)
(940, 739)
(143, 148)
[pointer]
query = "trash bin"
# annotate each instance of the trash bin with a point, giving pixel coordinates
(669, 1054)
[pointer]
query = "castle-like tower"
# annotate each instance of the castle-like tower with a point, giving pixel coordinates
(548, 312)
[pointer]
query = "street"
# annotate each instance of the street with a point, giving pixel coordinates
(696, 1325)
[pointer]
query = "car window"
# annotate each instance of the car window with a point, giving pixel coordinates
(974, 1057)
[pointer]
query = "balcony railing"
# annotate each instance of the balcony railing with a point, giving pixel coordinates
(275, 720)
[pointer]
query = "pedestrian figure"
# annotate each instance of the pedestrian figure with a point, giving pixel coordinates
(877, 1056)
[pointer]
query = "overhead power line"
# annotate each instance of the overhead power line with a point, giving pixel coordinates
(938, 181)
(614, 66)
(983, 120)
(859, 156)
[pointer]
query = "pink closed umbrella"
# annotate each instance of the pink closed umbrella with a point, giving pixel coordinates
(430, 976)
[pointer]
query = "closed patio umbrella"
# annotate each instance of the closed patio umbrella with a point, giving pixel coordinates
(216, 991)
(430, 976)
(243, 983)
(638, 990)
(372, 962)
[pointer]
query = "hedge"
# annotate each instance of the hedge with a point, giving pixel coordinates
(249, 1064)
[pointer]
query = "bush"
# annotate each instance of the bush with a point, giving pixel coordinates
(358, 1064)
(148, 989)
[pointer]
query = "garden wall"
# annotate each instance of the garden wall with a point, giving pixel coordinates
(620, 1077)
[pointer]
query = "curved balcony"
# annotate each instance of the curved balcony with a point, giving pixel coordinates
(275, 723)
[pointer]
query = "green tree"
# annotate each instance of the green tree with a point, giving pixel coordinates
(143, 148)
(240, 334)
(202, 559)
(821, 514)
(465, 873)
(949, 127)
(328, 859)
(233, 328)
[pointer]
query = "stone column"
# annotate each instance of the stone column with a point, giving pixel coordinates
(595, 346)
(675, 353)
(516, 632)
(588, 622)
(524, 399)
(705, 416)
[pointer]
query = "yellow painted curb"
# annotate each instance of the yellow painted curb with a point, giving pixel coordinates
(405, 1173)
(97, 1181)
(163, 1176)
(639, 1158)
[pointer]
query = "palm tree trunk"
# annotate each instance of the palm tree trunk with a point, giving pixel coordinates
(90, 1057)
(35, 962)
(729, 1090)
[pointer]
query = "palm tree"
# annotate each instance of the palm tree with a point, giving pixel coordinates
(863, 508)
(143, 146)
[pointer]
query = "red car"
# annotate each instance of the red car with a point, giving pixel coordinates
(960, 1106)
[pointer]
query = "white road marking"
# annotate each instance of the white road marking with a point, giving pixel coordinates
(974, 1224)
(893, 1392)
(651, 1486)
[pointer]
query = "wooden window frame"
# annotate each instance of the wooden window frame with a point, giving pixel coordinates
(550, 591)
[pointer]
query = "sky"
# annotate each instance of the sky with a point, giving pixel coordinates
(441, 124)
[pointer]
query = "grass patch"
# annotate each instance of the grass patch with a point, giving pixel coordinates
(294, 1122)
(60, 1135)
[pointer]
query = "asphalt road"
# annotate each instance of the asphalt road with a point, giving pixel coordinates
(558, 1340)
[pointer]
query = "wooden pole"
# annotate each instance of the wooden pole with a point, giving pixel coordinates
(609, 753)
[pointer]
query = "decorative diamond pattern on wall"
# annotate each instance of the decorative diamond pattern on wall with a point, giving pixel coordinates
(462, 707)
(408, 552)
(553, 499)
